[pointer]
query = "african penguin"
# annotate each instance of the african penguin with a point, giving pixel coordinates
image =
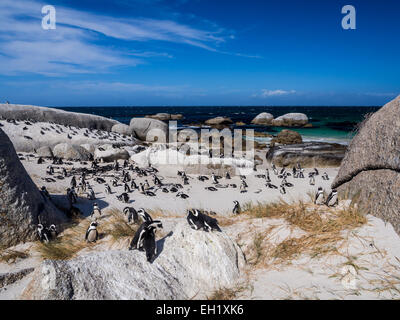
(91, 233)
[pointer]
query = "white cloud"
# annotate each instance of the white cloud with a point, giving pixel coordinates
(271, 93)
(74, 47)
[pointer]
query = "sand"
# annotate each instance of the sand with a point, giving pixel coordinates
(373, 248)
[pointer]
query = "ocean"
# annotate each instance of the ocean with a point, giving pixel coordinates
(329, 124)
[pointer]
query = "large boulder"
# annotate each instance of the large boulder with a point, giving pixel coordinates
(145, 129)
(370, 170)
(71, 152)
(43, 114)
(263, 118)
(21, 203)
(28, 136)
(287, 137)
(219, 121)
(44, 152)
(308, 154)
(108, 153)
(190, 263)
(290, 120)
(121, 129)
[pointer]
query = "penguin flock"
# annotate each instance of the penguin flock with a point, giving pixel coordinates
(126, 180)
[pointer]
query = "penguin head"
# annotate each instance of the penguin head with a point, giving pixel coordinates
(40, 227)
(52, 227)
(235, 202)
(93, 224)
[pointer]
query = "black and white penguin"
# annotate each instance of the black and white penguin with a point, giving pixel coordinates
(107, 189)
(71, 196)
(73, 182)
(301, 173)
(90, 193)
(96, 212)
(282, 189)
(182, 195)
(243, 187)
(325, 176)
(312, 180)
(214, 179)
(202, 178)
(211, 188)
(126, 188)
(115, 182)
(319, 196)
(124, 197)
(133, 184)
(198, 220)
(40, 160)
(53, 232)
(236, 208)
(43, 233)
(144, 215)
(131, 214)
(274, 169)
(149, 193)
(145, 239)
(100, 180)
(92, 234)
(332, 200)
(45, 193)
(227, 175)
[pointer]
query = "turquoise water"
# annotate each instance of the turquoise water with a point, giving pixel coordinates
(333, 124)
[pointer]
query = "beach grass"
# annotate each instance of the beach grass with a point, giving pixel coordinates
(322, 229)
(10, 256)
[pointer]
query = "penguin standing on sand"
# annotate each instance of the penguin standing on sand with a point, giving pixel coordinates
(243, 187)
(131, 214)
(325, 176)
(214, 178)
(92, 234)
(282, 189)
(236, 208)
(319, 196)
(332, 200)
(96, 212)
(107, 189)
(227, 176)
(73, 182)
(312, 180)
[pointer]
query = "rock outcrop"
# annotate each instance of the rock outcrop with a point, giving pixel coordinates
(263, 118)
(166, 116)
(219, 121)
(28, 137)
(145, 129)
(287, 137)
(121, 128)
(290, 120)
(189, 264)
(308, 154)
(21, 203)
(108, 154)
(370, 171)
(43, 114)
(71, 152)
(44, 152)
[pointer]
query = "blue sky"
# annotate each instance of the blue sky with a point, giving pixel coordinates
(194, 52)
